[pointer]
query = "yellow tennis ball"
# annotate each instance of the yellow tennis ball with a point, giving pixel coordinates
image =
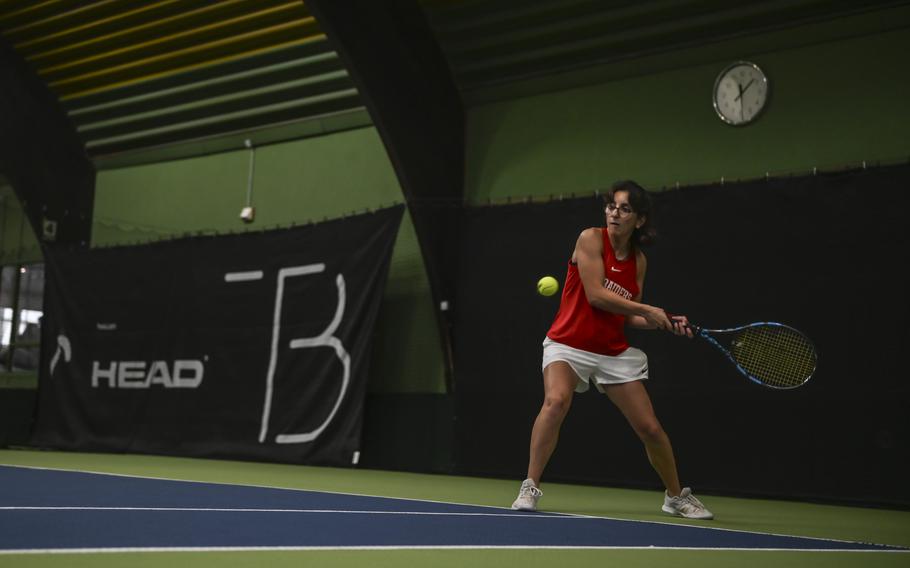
(547, 286)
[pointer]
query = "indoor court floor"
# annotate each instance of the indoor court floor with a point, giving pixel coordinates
(75, 509)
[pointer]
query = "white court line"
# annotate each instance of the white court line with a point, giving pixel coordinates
(548, 515)
(419, 547)
(322, 491)
(318, 511)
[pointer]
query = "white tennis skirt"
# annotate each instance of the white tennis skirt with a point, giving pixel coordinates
(630, 365)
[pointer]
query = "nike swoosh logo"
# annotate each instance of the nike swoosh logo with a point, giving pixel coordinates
(614, 269)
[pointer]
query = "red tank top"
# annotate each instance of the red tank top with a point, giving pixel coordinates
(578, 324)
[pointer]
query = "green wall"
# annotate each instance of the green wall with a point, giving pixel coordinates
(832, 105)
(18, 243)
(293, 183)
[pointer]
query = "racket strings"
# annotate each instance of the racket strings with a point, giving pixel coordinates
(777, 356)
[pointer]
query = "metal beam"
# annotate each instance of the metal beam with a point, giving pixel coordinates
(42, 157)
(393, 57)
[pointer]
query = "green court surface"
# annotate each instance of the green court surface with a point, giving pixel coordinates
(881, 526)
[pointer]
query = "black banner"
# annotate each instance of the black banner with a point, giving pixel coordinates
(821, 253)
(251, 346)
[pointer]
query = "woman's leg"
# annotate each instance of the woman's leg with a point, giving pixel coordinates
(559, 380)
(633, 401)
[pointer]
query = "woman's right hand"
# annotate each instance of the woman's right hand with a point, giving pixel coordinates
(658, 319)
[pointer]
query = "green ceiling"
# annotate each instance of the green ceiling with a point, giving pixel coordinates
(155, 80)
(162, 79)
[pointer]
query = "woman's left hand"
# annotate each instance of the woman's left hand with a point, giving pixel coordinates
(681, 325)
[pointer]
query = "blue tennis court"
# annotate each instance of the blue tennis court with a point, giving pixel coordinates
(53, 510)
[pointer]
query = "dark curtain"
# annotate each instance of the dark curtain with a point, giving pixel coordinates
(823, 253)
(246, 346)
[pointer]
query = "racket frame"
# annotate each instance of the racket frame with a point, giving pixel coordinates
(705, 334)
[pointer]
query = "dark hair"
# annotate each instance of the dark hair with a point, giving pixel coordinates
(640, 201)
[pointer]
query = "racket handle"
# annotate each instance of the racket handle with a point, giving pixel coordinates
(695, 329)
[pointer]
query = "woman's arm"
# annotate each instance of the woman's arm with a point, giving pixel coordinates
(678, 322)
(641, 263)
(589, 258)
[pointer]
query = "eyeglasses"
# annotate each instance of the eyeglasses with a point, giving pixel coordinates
(624, 209)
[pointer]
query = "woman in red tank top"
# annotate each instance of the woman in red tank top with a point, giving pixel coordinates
(587, 344)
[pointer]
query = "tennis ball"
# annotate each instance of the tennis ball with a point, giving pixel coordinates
(547, 286)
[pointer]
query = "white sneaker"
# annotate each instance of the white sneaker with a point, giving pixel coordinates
(528, 496)
(686, 505)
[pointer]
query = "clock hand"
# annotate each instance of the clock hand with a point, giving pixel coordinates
(744, 89)
(739, 98)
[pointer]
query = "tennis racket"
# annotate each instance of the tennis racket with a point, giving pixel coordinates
(771, 354)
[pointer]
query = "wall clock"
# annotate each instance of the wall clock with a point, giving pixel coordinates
(740, 93)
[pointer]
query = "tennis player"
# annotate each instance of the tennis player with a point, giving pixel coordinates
(586, 344)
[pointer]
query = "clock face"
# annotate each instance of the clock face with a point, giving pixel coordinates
(740, 93)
